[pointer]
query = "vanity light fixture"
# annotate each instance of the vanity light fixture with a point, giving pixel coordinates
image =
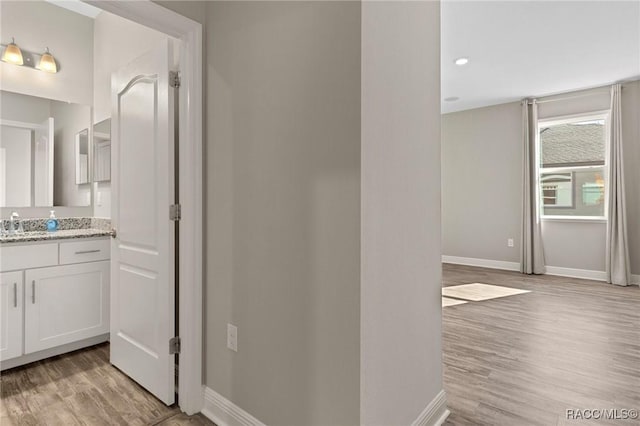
(12, 53)
(47, 63)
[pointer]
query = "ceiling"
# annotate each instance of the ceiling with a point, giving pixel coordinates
(78, 7)
(518, 49)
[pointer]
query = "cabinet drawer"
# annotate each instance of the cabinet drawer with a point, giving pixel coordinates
(84, 251)
(28, 256)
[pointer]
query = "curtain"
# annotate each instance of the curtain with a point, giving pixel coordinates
(617, 251)
(532, 252)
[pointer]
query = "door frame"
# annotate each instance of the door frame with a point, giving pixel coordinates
(189, 244)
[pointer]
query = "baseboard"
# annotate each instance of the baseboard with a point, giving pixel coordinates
(577, 273)
(484, 263)
(48, 353)
(515, 266)
(223, 412)
(435, 413)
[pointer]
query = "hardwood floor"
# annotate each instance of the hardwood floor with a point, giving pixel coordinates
(82, 388)
(515, 361)
(527, 359)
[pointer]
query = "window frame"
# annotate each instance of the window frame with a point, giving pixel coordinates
(566, 119)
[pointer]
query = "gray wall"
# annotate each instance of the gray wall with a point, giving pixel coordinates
(284, 243)
(283, 209)
(401, 370)
(482, 148)
(631, 138)
(481, 182)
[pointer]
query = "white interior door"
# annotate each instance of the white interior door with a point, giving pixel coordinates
(43, 164)
(142, 253)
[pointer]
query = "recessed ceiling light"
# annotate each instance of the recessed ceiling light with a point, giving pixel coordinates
(451, 99)
(461, 61)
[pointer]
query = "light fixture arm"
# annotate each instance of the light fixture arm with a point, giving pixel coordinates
(30, 59)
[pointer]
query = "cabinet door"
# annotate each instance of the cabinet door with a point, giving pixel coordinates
(11, 315)
(64, 304)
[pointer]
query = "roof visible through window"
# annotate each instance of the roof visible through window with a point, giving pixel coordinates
(579, 143)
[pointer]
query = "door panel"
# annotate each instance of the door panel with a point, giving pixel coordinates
(142, 253)
(137, 121)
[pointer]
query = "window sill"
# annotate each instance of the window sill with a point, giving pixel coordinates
(584, 219)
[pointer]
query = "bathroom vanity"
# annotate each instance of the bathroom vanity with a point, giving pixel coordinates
(54, 291)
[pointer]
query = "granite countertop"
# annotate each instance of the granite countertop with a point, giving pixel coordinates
(68, 228)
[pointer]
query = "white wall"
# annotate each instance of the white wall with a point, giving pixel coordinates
(15, 161)
(116, 41)
(401, 352)
(69, 119)
(283, 209)
(482, 147)
(69, 36)
(28, 109)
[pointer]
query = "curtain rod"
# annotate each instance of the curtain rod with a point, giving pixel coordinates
(564, 98)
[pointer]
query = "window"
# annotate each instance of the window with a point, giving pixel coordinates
(572, 166)
(557, 189)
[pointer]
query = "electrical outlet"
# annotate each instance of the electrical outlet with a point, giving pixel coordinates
(232, 337)
(510, 242)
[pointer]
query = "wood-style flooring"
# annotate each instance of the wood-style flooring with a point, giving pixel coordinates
(515, 361)
(528, 358)
(82, 388)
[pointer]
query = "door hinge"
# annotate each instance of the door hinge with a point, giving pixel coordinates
(174, 345)
(175, 212)
(174, 79)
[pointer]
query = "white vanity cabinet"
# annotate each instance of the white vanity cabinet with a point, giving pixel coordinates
(61, 298)
(64, 304)
(11, 309)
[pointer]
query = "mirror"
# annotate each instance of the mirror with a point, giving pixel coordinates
(102, 150)
(82, 157)
(42, 144)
